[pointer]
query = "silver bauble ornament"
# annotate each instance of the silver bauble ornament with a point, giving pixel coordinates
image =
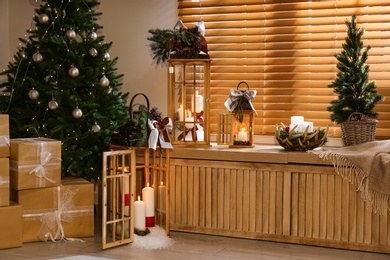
(33, 94)
(71, 34)
(93, 52)
(77, 113)
(96, 128)
(104, 82)
(92, 36)
(53, 104)
(37, 57)
(43, 18)
(107, 56)
(73, 72)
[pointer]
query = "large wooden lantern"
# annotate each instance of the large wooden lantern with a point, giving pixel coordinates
(242, 129)
(189, 97)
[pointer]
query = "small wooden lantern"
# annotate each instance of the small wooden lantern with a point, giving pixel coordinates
(189, 97)
(242, 130)
(240, 105)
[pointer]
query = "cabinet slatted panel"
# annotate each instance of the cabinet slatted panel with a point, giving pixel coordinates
(277, 202)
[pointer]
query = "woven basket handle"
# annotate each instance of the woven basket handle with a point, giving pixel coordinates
(359, 115)
(132, 105)
(242, 82)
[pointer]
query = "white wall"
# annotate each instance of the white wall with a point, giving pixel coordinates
(125, 23)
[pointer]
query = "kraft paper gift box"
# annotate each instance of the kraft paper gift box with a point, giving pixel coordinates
(4, 182)
(4, 136)
(57, 213)
(35, 163)
(11, 226)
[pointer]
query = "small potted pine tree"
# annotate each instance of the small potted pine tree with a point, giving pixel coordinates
(356, 95)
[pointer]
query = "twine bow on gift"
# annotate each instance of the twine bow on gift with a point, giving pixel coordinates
(40, 170)
(54, 219)
(159, 133)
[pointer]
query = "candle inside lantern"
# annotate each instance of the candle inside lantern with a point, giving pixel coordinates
(139, 214)
(197, 105)
(148, 198)
(242, 136)
(180, 112)
(161, 196)
(126, 195)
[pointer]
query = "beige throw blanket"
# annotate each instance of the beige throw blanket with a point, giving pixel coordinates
(368, 166)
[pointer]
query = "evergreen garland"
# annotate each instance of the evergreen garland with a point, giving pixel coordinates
(355, 93)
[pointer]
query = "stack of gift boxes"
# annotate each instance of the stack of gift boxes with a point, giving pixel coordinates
(36, 203)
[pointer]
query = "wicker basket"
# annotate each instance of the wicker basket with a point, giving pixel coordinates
(293, 141)
(355, 131)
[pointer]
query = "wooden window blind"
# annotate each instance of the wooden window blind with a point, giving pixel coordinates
(284, 49)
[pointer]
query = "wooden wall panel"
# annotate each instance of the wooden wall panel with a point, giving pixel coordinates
(279, 202)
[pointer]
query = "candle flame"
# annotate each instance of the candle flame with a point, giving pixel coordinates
(162, 183)
(147, 185)
(139, 198)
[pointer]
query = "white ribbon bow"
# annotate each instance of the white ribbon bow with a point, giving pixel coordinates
(156, 135)
(235, 94)
(39, 170)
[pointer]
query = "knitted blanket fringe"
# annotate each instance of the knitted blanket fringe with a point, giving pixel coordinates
(375, 201)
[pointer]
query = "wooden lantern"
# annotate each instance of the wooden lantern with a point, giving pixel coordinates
(189, 97)
(242, 129)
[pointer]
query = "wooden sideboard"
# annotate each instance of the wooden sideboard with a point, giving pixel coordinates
(269, 194)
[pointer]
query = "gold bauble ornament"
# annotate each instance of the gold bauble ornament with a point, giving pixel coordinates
(96, 128)
(53, 105)
(104, 82)
(93, 52)
(71, 34)
(33, 94)
(107, 56)
(77, 113)
(37, 57)
(73, 72)
(43, 18)
(92, 36)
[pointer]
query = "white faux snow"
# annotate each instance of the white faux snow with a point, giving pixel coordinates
(156, 239)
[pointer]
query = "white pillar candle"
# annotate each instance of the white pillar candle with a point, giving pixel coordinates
(304, 125)
(296, 120)
(242, 136)
(180, 112)
(139, 214)
(148, 198)
(197, 105)
(190, 121)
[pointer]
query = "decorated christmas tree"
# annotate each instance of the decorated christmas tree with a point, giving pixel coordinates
(62, 84)
(355, 92)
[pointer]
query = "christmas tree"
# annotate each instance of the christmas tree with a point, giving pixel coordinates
(355, 92)
(63, 85)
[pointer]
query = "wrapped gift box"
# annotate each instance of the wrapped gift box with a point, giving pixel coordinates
(11, 226)
(4, 136)
(4, 182)
(35, 163)
(57, 213)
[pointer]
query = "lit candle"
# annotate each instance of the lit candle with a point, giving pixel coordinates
(139, 217)
(161, 196)
(197, 105)
(148, 198)
(242, 136)
(180, 112)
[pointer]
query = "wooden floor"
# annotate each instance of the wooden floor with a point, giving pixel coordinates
(186, 246)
